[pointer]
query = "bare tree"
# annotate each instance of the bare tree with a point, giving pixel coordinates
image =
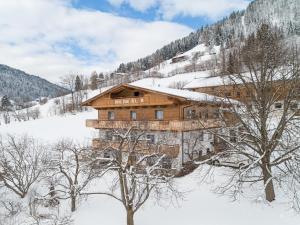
(263, 141)
(73, 169)
(138, 172)
(69, 83)
(22, 163)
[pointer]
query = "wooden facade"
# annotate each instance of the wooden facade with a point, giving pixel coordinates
(126, 105)
(171, 121)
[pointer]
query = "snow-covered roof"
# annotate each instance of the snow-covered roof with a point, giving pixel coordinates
(207, 82)
(227, 80)
(177, 93)
(172, 92)
(188, 95)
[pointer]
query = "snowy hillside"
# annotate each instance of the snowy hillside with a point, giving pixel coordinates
(18, 85)
(202, 53)
(38, 110)
(281, 13)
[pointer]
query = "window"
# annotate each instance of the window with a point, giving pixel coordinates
(136, 93)
(132, 158)
(208, 151)
(133, 115)
(206, 115)
(106, 155)
(294, 106)
(150, 138)
(116, 137)
(216, 114)
(109, 135)
(200, 115)
(232, 136)
(278, 105)
(298, 91)
(111, 115)
(159, 114)
(167, 163)
(209, 136)
(201, 136)
(238, 94)
(228, 94)
(191, 114)
(151, 160)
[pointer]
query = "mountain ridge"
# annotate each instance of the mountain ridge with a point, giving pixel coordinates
(21, 86)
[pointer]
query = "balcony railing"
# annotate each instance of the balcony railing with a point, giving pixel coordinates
(143, 147)
(172, 125)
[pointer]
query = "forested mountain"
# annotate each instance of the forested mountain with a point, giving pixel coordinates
(283, 14)
(20, 86)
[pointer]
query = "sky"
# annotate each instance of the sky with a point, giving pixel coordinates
(53, 38)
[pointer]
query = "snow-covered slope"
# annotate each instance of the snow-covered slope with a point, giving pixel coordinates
(18, 85)
(54, 128)
(205, 53)
(281, 13)
(173, 80)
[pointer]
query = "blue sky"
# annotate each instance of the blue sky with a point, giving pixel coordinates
(150, 14)
(52, 38)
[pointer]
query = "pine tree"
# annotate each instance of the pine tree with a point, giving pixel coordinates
(223, 59)
(5, 103)
(93, 81)
(78, 84)
(101, 76)
(230, 66)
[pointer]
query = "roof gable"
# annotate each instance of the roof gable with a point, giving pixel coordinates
(121, 87)
(168, 93)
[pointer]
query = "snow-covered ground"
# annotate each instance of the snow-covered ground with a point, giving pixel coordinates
(206, 54)
(200, 204)
(184, 78)
(53, 128)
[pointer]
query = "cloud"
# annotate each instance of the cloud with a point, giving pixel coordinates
(52, 38)
(168, 9)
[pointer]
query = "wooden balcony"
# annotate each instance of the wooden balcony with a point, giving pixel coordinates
(143, 147)
(173, 125)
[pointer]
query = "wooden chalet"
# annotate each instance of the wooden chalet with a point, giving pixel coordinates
(162, 113)
(157, 108)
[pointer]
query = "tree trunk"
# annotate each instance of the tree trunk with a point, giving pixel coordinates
(73, 203)
(130, 214)
(268, 182)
